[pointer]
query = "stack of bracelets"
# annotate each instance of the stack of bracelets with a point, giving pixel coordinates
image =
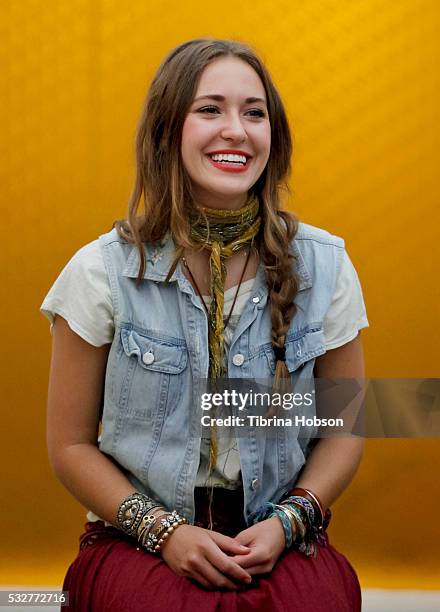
(302, 518)
(136, 519)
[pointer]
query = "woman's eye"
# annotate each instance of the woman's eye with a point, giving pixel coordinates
(208, 109)
(211, 110)
(256, 112)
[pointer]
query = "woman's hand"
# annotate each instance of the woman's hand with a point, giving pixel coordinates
(199, 554)
(266, 540)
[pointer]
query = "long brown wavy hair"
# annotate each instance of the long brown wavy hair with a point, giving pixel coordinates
(164, 187)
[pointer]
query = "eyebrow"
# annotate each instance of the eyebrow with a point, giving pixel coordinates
(220, 98)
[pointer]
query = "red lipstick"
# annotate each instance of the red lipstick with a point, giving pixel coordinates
(226, 166)
(233, 151)
(230, 166)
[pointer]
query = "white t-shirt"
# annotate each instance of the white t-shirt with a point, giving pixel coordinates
(81, 295)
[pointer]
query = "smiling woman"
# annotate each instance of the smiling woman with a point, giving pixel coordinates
(236, 118)
(210, 279)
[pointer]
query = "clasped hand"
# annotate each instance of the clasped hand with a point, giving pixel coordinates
(217, 561)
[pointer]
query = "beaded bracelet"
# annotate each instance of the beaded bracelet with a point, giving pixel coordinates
(135, 518)
(167, 524)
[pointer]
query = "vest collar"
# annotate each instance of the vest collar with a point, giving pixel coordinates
(160, 257)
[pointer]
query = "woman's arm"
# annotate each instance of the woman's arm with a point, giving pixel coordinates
(333, 462)
(75, 393)
(330, 467)
(76, 386)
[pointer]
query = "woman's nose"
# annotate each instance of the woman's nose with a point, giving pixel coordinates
(233, 128)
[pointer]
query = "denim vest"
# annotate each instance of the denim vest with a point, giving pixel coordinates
(160, 348)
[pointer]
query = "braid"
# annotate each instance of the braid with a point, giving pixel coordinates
(282, 282)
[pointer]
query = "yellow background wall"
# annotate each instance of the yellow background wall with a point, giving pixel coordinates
(361, 84)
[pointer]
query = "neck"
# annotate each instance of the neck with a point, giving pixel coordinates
(223, 203)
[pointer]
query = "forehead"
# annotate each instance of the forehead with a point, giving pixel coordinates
(230, 75)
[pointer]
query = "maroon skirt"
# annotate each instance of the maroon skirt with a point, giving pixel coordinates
(110, 574)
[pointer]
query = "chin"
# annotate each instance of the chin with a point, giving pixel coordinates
(233, 195)
(229, 191)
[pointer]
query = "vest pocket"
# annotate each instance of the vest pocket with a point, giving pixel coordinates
(151, 372)
(301, 346)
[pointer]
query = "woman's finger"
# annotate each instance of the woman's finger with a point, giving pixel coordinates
(228, 544)
(213, 577)
(200, 580)
(226, 565)
(255, 557)
(256, 570)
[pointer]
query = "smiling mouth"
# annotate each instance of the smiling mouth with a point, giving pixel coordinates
(230, 163)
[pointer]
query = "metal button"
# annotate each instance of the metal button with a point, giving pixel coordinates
(238, 359)
(254, 484)
(256, 299)
(148, 358)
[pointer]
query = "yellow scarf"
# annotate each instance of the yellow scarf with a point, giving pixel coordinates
(225, 233)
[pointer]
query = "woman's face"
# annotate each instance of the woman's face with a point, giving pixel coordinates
(228, 117)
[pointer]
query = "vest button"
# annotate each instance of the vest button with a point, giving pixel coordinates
(256, 299)
(254, 484)
(238, 359)
(148, 358)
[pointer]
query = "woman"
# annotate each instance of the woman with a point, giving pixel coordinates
(211, 280)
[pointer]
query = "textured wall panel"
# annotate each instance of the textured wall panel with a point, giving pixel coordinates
(360, 81)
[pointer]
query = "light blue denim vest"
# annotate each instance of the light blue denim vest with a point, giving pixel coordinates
(160, 349)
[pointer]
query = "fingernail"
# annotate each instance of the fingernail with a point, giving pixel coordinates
(243, 546)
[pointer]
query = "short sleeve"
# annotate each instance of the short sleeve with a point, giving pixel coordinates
(81, 295)
(346, 315)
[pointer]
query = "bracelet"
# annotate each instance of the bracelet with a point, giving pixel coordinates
(297, 516)
(287, 517)
(168, 523)
(264, 512)
(314, 499)
(286, 523)
(146, 524)
(132, 510)
(135, 518)
(305, 508)
(300, 524)
(291, 533)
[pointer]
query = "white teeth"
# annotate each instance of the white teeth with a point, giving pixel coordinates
(229, 157)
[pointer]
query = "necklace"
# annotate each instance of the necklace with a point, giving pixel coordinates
(214, 442)
(236, 292)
